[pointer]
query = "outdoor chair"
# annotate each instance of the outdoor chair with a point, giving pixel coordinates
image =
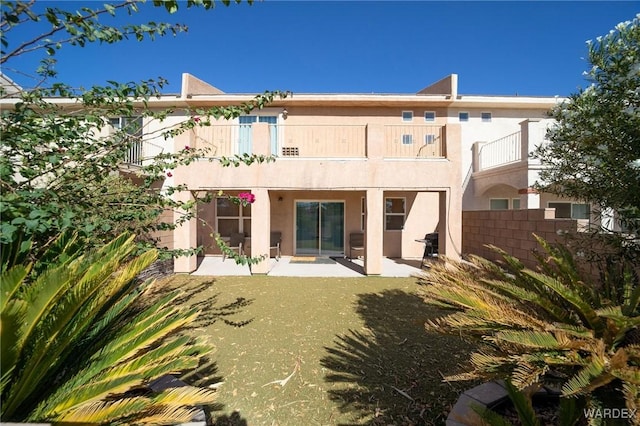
(236, 242)
(274, 244)
(356, 242)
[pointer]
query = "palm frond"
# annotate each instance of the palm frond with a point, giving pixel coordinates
(166, 415)
(532, 339)
(592, 376)
(185, 395)
(581, 307)
(525, 374)
(10, 281)
(105, 411)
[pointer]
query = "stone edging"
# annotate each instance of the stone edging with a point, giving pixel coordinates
(489, 395)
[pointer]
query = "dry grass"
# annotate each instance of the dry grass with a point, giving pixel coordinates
(324, 351)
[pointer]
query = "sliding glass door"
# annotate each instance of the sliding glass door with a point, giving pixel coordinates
(320, 228)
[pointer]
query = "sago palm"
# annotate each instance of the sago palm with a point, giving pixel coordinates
(539, 322)
(79, 346)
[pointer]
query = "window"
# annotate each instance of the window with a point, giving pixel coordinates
(429, 116)
(429, 139)
(570, 210)
(231, 218)
(394, 212)
(499, 203)
(463, 116)
(407, 115)
(131, 126)
(515, 203)
(485, 117)
(407, 139)
(580, 211)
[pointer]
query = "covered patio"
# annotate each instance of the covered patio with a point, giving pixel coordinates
(293, 266)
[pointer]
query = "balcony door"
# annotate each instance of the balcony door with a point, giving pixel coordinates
(319, 228)
(245, 139)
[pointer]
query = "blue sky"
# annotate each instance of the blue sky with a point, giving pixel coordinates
(502, 48)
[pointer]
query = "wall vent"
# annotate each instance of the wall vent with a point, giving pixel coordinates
(290, 151)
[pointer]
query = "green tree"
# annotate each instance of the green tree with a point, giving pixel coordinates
(594, 149)
(60, 167)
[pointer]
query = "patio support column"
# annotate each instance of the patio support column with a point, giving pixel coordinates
(373, 231)
(185, 237)
(260, 230)
(450, 229)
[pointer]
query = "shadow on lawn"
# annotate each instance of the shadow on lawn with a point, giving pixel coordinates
(391, 372)
(197, 296)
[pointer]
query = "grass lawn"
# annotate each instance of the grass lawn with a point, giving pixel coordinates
(324, 351)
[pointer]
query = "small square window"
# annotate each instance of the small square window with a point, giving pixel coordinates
(407, 139)
(407, 115)
(429, 116)
(463, 116)
(486, 117)
(429, 139)
(515, 203)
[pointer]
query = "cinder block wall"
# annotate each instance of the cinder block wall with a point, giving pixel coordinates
(512, 231)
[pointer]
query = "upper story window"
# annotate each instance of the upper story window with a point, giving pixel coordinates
(429, 116)
(485, 117)
(463, 116)
(130, 125)
(407, 116)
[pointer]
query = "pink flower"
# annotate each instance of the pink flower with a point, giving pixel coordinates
(247, 197)
(187, 147)
(196, 119)
(169, 174)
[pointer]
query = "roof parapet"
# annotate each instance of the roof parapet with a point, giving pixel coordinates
(9, 87)
(447, 86)
(194, 86)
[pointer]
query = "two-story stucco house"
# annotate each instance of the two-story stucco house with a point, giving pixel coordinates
(393, 166)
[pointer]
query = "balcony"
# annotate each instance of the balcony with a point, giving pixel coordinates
(512, 149)
(323, 141)
(141, 153)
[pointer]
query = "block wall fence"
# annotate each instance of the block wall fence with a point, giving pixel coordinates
(512, 231)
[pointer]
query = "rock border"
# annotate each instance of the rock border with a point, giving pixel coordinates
(489, 395)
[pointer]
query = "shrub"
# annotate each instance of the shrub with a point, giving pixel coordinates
(547, 325)
(79, 346)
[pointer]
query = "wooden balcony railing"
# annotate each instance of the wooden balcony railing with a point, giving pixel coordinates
(323, 141)
(310, 141)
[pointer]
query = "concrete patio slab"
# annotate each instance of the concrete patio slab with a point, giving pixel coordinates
(288, 266)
